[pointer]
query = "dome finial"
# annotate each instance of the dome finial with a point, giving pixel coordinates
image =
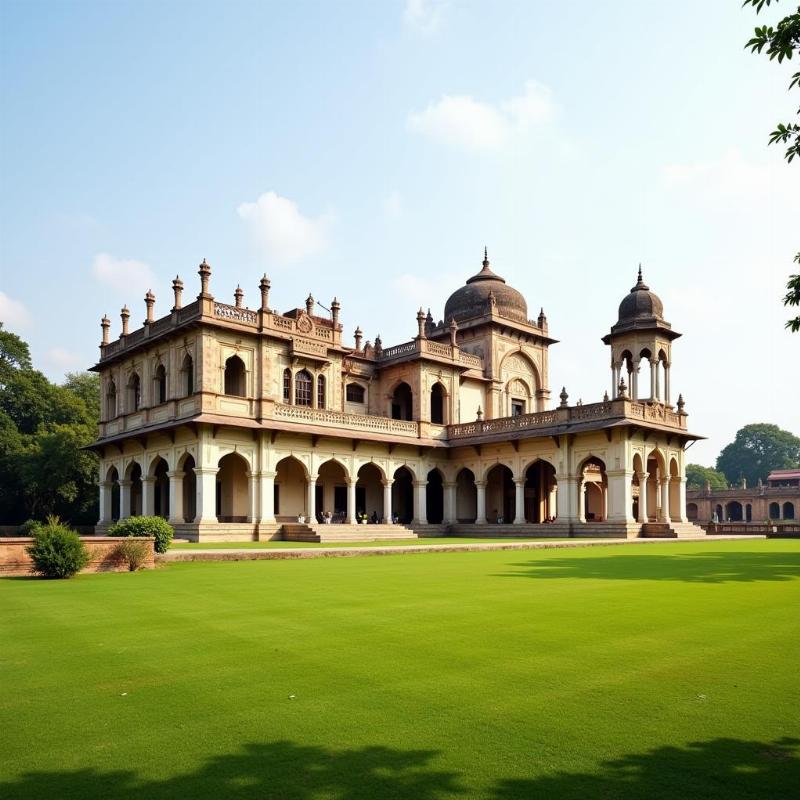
(485, 257)
(639, 278)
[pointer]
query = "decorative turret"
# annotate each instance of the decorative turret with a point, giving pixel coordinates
(264, 285)
(681, 403)
(204, 272)
(310, 304)
(177, 291)
(542, 321)
(238, 296)
(564, 397)
(421, 324)
(335, 308)
(105, 324)
(378, 345)
(149, 301)
(358, 335)
(622, 389)
(125, 316)
(453, 330)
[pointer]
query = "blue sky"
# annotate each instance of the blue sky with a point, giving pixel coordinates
(370, 150)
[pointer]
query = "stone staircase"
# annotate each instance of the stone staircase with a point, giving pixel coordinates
(302, 532)
(671, 530)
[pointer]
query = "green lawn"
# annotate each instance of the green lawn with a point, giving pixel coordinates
(267, 545)
(632, 673)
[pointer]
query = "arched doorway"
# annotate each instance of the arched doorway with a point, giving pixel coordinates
(403, 495)
(134, 475)
(189, 489)
(466, 496)
(437, 404)
(675, 510)
(331, 500)
(291, 489)
(594, 489)
(369, 491)
(656, 472)
(112, 477)
(402, 402)
(158, 471)
(233, 495)
(637, 487)
(774, 511)
(500, 494)
(788, 510)
(540, 491)
(691, 512)
(434, 497)
(235, 377)
(718, 512)
(733, 511)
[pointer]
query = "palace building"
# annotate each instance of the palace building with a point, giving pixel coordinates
(239, 423)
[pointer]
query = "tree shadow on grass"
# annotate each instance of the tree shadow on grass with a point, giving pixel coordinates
(720, 768)
(279, 770)
(717, 567)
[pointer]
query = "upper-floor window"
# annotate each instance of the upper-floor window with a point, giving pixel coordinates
(287, 385)
(354, 393)
(402, 402)
(437, 404)
(321, 391)
(134, 392)
(160, 384)
(111, 400)
(187, 375)
(235, 377)
(302, 388)
(517, 408)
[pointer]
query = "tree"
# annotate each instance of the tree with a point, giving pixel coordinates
(756, 451)
(697, 477)
(85, 385)
(781, 42)
(14, 355)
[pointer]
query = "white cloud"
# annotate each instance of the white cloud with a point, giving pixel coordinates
(124, 274)
(425, 16)
(427, 291)
(59, 359)
(470, 124)
(281, 231)
(13, 313)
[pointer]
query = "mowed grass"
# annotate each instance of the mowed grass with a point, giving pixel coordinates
(665, 671)
(281, 545)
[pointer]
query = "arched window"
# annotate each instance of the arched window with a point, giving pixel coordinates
(354, 393)
(160, 384)
(788, 510)
(287, 385)
(134, 392)
(321, 391)
(437, 404)
(402, 402)
(111, 400)
(302, 388)
(187, 373)
(235, 377)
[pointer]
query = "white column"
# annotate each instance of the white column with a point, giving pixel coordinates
(615, 368)
(666, 384)
(519, 498)
(312, 501)
(420, 503)
(387, 501)
(252, 497)
(480, 486)
(206, 484)
(665, 500)
(175, 497)
(148, 496)
(581, 499)
(450, 515)
(125, 499)
(351, 502)
(267, 492)
(605, 490)
(657, 395)
(634, 387)
(642, 476)
(105, 502)
(653, 372)
(679, 514)
(566, 498)
(618, 496)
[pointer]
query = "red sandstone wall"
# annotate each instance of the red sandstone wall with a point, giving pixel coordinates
(14, 560)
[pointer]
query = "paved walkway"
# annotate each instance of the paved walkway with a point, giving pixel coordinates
(253, 554)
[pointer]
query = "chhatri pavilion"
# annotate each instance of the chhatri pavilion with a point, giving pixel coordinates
(239, 423)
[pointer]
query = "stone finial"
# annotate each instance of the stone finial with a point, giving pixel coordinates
(335, 308)
(358, 336)
(605, 396)
(149, 301)
(204, 272)
(421, 334)
(378, 345)
(125, 315)
(264, 285)
(177, 291)
(453, 329)
(310, 304)
(479, 414)
(238, 295)
(542, 321)
(680, 404)
(622, 389)
(105, 324)
(492, 300)
(744, 482)
(486, 257)
(564, 397)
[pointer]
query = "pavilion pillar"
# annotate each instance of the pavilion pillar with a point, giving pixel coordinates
(653, 373)
(351, 502)
(387, 502)
(679, 514)
(666, 384)
(267, 492)
(618, 496)
(615, 368)
(206, 486)
(519, 498)
(480, 487)
(657, 395)
(581, 500)
(148, 496)
(311, 503)
(420, 503)
(665, 500)
(450, 517)
(175, 496)
(634, 388)
(252, 497)
(567, 498)
(642, 476)
(105, 502)
(125, 499)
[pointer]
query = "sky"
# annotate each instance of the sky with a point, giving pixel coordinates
(370, 150)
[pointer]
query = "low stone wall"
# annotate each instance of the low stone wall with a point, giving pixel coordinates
(14, 559)
(13, 530)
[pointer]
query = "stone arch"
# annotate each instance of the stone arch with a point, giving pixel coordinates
(519, 363)
(774, 510)
(403, 494)
(638, 485)
(112, 477)
(370, 478)
(733, 511)
(133, 474)
(434, 497)
(466, 496)
(500, 493)
(719, 512)
(592, 489)
(331, 490)
(245, 455)
(233, 488)
(111, 399)
(291, 488)
(675, 510)
(692, 512)
(540, 491)
(134, 392)
(187, 375)
(157, 472)
(438, 404)
(186, 465)
(401, 404)
(788, 510)
(355, 392)
(235, 377)
(159, 384)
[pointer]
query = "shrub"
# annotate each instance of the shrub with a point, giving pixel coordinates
(30, 527)
(157, 527)
(132, 552)
(57, 551)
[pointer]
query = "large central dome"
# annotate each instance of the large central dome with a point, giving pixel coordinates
(480, 293)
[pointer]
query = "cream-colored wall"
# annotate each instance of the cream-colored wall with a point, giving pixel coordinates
(471, 397)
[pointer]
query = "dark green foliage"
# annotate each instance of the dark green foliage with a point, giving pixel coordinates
(14, 354)
(697, 477)
(756, 450)
(57, 551)
(793, 298)
(30, 527)
(133, 552)
(157, 527)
